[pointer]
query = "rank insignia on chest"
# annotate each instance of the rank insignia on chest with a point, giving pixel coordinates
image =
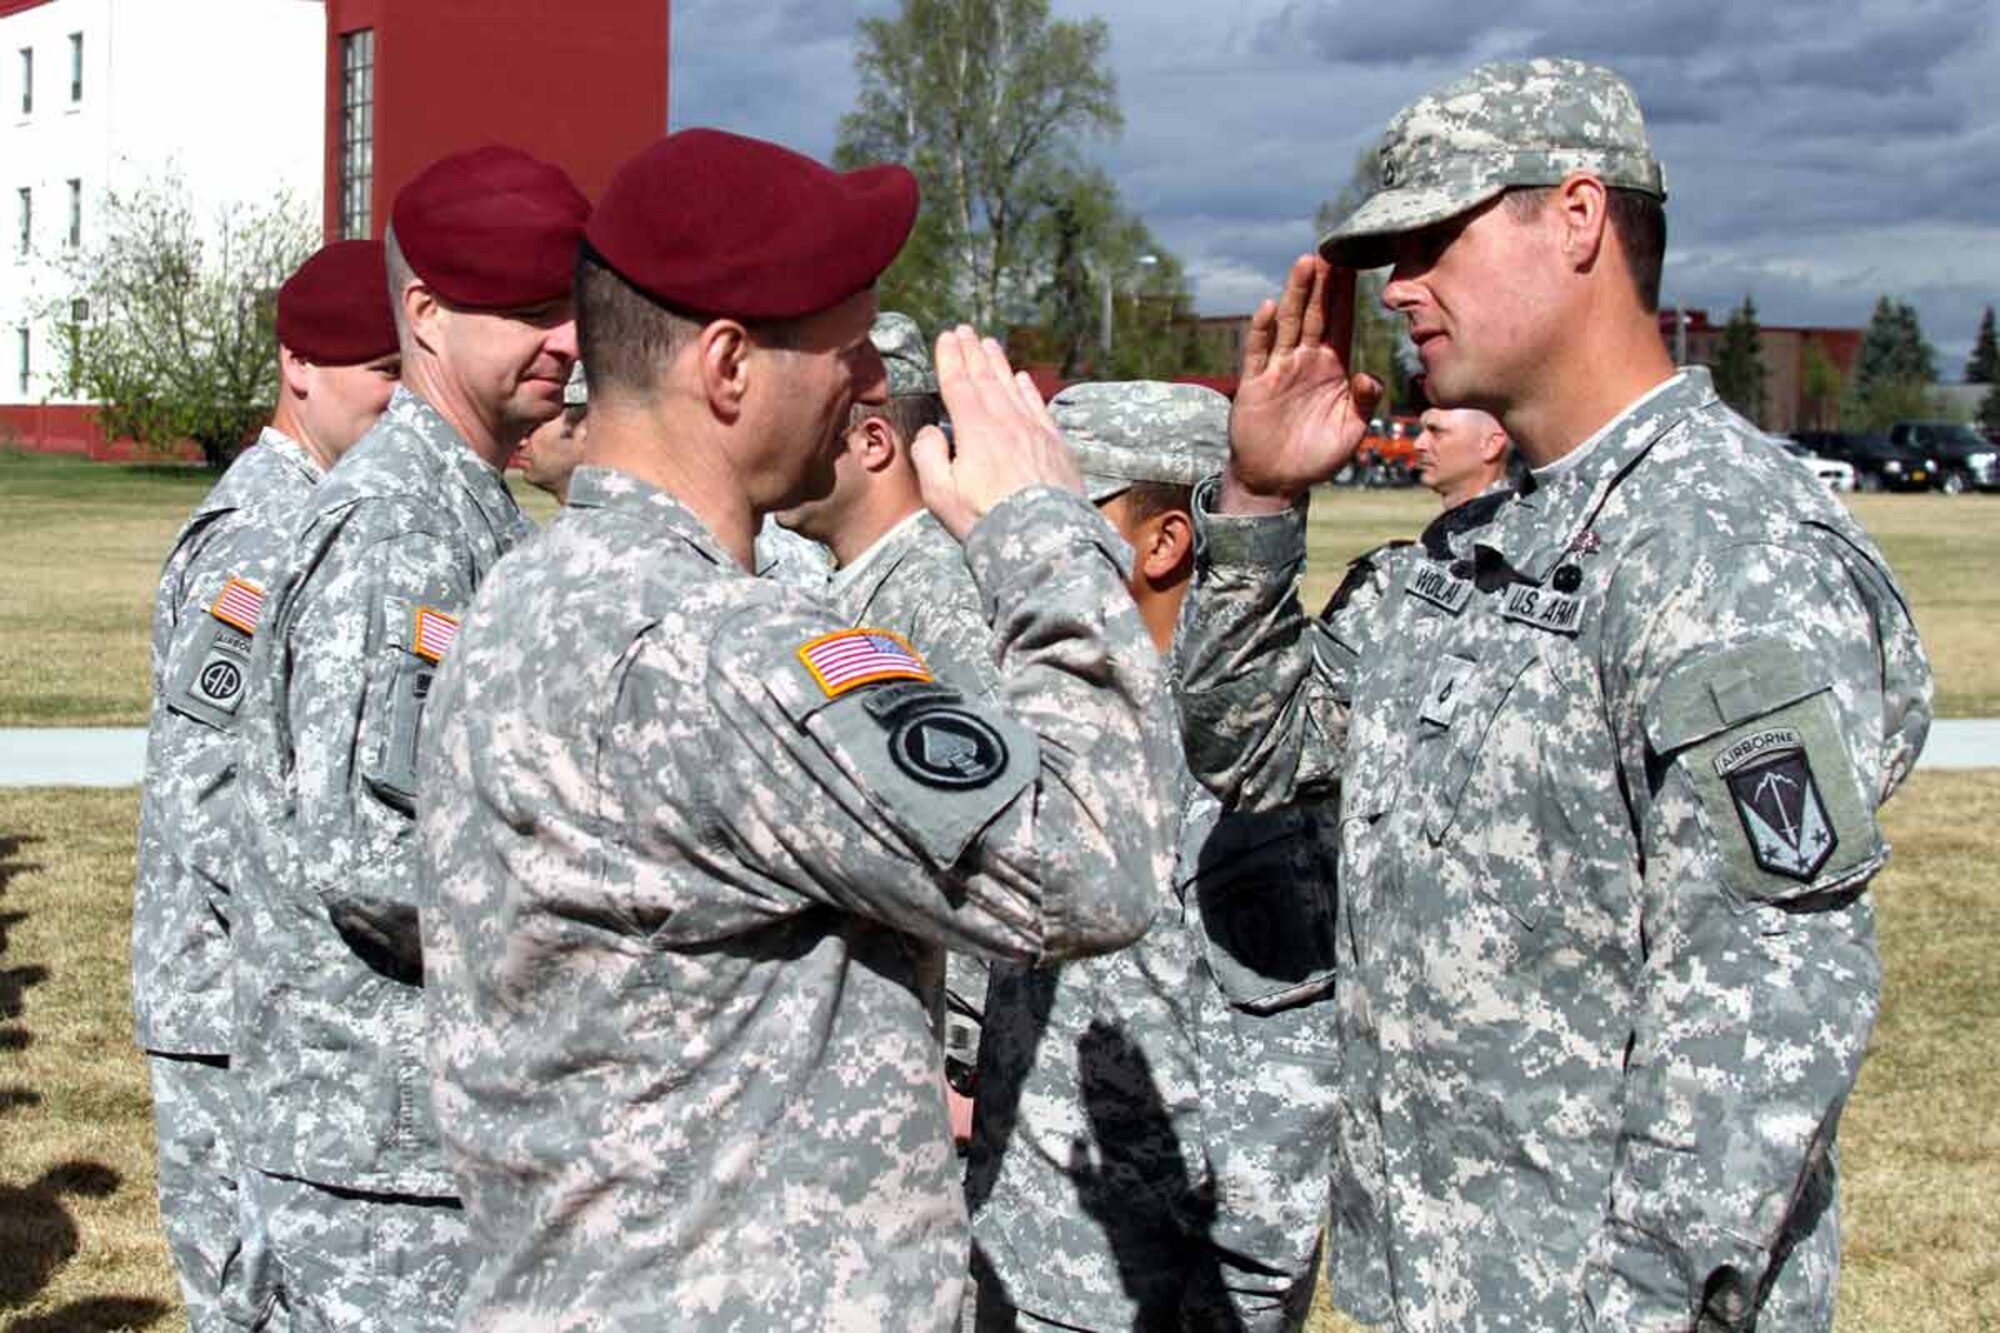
(239, 605)
(850, 658)
(1433, 584)
(433, 633)
(1543, 608)
(1778, 801)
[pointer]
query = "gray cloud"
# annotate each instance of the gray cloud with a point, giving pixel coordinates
(1820, 152)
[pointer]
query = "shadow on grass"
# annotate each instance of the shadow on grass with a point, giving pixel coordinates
(101, 1314)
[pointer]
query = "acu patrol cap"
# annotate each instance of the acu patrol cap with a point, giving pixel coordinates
(901, 345)
(721, 224)
(334, 310)
(1506, 124)
(492, 229)
(1142, 430)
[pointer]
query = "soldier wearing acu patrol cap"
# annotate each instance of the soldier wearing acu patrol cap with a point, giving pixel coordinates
(896, 567)
(337, 367)
(1608, 795)
(1150, 1148)
(687, 1076)
(351, 1219)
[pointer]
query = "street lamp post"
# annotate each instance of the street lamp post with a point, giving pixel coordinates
(1104, 282)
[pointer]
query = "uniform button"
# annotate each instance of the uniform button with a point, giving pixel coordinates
(1568, 579)
(1461, 569)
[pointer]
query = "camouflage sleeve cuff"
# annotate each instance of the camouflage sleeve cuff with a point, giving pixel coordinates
(1023, 532)
(1264, 541)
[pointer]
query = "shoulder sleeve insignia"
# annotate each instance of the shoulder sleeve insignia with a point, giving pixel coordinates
(1778, 801)
(434, 632)
(239, 605)
(850, 658)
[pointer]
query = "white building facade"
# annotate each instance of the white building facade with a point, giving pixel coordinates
(106, 96)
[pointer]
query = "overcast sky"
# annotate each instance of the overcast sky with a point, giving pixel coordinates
(1819, 153)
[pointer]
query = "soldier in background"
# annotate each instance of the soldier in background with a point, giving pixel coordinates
(337, 364)
(896, 567)
(351, 1219)
(1608, 785)
(1462, 454)
(1150, 1147)
(686, 1074)
(553, 449)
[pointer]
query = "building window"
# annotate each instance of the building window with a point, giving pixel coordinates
(26, 210)
(357, 131)
(75, 212)
(76, 67)
(79, 315)
(27, 80)
(21, 340)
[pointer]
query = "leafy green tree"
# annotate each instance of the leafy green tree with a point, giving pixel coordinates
(1739, 362)
(1984, 365)
(1894, 372)
(987, 102)
(172, 318)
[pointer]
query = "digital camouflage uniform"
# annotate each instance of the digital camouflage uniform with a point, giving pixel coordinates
(792, 561)
(1608, 791)
(203, 617)
(685, 1075)
(1150, 1146)
(914, 580)
(329, 976)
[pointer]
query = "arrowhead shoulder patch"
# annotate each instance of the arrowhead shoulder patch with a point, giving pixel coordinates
(1778, 802)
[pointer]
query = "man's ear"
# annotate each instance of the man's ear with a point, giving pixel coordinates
(1581, 204)
(877, 444)
(422, 312)
(1493, 447)
(723, 357)
(291, 371)
(1166, 545)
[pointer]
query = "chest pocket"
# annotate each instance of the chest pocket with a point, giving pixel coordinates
(1456, 729)
(1264, 886)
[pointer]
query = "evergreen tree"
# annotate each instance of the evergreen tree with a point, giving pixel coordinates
(1739, 362)
(1984, 367)
(1895, 370)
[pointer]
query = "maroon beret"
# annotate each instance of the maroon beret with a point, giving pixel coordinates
(335, 310)
(491, 229)
(722, 224)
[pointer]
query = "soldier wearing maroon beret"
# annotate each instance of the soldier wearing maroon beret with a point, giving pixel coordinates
(684, 880)
(337, 362)
(350, 1214)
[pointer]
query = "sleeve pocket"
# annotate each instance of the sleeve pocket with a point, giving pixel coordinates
(1756, 735)
(395, 721)
(1264, 888)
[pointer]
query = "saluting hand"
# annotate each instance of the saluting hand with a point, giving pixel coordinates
(1298, 415)
(1006, 439)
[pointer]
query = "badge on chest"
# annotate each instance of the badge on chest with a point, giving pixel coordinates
(1435, 584)
(1543, 608)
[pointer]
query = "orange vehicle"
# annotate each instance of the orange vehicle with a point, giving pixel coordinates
(1387, 455)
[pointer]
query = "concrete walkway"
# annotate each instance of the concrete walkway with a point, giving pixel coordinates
(115, 756)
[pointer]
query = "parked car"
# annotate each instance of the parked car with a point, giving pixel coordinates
(1837, 475)
(1879, 464)
(1967, 458)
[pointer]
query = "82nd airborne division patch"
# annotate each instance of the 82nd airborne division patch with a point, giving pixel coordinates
(1778, 801)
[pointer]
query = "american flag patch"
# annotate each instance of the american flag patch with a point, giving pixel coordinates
(239, 605)
(847, 658)
(435, 631)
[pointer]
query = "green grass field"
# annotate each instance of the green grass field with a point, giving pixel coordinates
(83, 542)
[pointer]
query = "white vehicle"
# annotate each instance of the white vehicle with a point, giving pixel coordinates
(1837, 475)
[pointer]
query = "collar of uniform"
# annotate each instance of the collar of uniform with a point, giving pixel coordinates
(875, 564)
(486, 484)
(1440, 536)
(1537, 530)
(295, 454)
(596, 487)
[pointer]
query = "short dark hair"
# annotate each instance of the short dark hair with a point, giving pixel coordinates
(1150, 499)
(625, 335)
(1638, 219)
(906, 415)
